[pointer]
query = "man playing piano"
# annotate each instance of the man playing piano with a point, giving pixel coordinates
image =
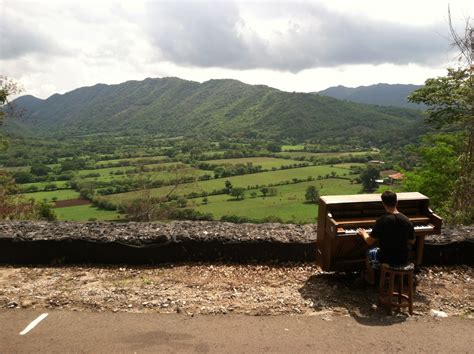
(394, 232)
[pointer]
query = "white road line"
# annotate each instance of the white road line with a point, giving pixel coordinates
(33, 324)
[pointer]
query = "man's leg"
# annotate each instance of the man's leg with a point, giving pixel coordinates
(370, 274)
(372, 262)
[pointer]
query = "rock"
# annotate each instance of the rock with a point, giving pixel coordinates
(439, 314)
(26, 303)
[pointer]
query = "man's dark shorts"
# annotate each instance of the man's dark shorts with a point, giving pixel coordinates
(373, 255)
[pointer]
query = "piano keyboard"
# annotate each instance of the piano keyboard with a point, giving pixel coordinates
(350, 232)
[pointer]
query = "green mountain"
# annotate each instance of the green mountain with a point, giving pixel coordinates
(215, 108)
(379, 94)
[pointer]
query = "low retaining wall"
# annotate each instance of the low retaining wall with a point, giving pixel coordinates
(44, 243)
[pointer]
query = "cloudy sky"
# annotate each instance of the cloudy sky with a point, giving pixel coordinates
(56, 46)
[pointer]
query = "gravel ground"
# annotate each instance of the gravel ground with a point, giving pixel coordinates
(221, 288)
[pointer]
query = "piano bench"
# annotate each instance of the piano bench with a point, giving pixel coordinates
(395, 293)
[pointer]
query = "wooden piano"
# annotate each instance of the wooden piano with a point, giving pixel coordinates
(340, 249)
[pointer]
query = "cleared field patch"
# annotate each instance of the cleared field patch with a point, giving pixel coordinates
(16, 169)
(267, 163)
(288, 205)
(349, 165)
(292, 148)
(62, 194)
(71, 202)
(166, 175)
(306, 154)
(104, 171)
(250, 180)
(132, 160)
(85, 213)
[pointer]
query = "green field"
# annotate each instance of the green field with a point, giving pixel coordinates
(263, 178)
(289, 204)
(63, 194)
(166, 175)
(267, 163)
(292, 148)
(131, 160)
(85, 213)
(306, 154)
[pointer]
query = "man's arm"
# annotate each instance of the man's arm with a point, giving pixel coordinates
(367, 238)
(411, 235)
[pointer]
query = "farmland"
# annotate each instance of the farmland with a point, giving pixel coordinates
(79, 188)
(288, 205)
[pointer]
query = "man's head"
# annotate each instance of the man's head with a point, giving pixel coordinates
(389, 199)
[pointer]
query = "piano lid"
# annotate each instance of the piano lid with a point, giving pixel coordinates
(362, 198)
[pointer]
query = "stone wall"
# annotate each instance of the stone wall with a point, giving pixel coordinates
(183, 241)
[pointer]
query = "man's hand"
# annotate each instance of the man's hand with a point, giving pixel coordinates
(362, 232)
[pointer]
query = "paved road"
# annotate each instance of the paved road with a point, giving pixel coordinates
(65, 331)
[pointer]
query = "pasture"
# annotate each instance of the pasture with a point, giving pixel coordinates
(289, 204)
(245, 181)
(307, 154)
(86, 213)
(267, 163)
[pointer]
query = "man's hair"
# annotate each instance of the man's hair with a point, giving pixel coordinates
(389, 198)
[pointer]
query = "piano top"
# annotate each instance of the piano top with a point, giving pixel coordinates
(362, 198)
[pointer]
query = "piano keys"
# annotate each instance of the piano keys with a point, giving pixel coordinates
(339, 247)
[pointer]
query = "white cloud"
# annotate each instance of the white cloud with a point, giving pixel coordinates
(56, 46)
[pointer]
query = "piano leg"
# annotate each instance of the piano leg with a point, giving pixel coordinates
(419, 250)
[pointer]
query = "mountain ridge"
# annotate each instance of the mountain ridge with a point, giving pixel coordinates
(217, 108)
(378, 94)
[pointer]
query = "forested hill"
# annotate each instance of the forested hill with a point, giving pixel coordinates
(215, 108)
(379, 94)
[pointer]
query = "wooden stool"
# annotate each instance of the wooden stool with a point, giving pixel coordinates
(386, 295)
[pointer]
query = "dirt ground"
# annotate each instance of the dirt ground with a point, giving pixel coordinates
(223, 289)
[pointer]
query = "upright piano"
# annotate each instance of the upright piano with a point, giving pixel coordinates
(339, 216)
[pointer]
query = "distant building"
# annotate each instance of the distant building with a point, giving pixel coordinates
(395, 178)
(376, 162)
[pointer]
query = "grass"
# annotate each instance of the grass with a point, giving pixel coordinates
(63, 194)
(263, 178)
(267, 163)
(289, 204)
(85, 213)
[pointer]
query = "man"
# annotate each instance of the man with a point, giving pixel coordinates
(394, 231)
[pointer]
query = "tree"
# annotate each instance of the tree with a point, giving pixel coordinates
(228, 187)
(238, 193)
(450, 101)
(272, 192)
(264, 191)
(40, 170)
(274, 147)
(439, 167)
(312, 194)
(7, 88)
(368, 178)
(182, 202)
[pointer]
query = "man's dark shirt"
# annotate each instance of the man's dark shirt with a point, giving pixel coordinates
(393, 232)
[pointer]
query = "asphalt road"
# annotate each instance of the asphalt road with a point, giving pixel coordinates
(66, 331)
